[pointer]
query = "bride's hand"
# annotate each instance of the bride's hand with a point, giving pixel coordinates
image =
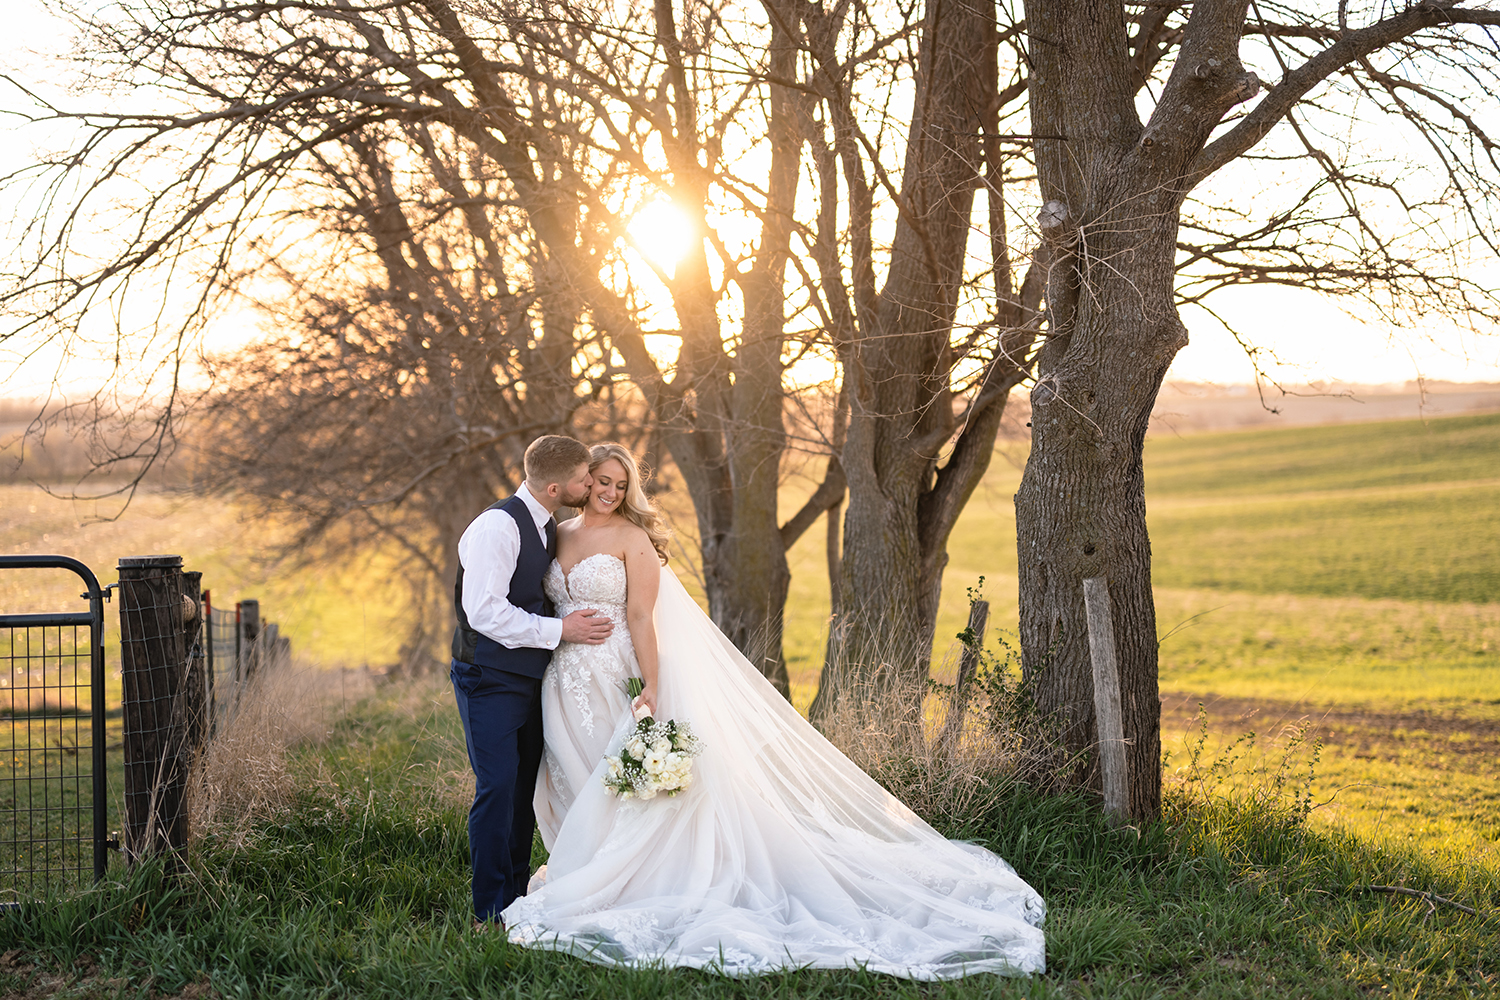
(647, 700)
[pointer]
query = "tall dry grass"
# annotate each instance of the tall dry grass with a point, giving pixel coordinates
(241, 778)
(953, 777)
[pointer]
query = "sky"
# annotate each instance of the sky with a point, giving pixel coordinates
(1305, 338)
(1310, 339)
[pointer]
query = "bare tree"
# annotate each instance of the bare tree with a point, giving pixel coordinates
(926, 385)
(1120, 191)
(399, 125)
(412, 359)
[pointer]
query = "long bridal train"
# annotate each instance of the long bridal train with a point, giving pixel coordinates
(782, 853)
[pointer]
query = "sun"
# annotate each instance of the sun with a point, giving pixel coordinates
(663, 232)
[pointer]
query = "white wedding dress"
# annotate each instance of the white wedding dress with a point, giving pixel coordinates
(781, 854)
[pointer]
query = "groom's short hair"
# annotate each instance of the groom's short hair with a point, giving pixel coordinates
(552, 458)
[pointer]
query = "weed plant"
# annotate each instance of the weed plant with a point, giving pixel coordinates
(357, 886)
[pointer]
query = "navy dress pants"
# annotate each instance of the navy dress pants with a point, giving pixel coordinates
(502, 717)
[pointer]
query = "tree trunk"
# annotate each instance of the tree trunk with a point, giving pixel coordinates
(1112, 191)
(879, 642)
(896, 374)
(1081, 512)
(744, 556)
(750, 612)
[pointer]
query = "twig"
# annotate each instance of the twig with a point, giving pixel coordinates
(1431, 898)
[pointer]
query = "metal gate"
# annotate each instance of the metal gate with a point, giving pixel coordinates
(53, 800)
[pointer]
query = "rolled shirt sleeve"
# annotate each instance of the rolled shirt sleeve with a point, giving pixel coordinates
(488, 551)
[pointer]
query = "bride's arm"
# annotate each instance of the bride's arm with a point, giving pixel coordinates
(642, 579)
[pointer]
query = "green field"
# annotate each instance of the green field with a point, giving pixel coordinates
(1348, 576)
(1404, 510)
(1298, 571)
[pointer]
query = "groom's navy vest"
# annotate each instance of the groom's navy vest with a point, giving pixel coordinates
(526, 593)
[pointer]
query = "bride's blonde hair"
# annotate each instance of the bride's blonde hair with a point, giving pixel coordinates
(637, 507)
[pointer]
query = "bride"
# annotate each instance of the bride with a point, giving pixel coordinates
(782, 853)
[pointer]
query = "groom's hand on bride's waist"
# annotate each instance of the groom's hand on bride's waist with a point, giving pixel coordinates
(587, 626)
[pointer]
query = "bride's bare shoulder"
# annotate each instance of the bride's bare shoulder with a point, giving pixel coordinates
(632, 535)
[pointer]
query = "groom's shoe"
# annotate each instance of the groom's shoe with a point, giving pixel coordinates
(483, 926)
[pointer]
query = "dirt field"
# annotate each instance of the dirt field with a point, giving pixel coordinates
(1369, 735)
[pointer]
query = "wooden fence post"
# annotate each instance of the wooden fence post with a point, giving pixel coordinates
(195, 683)
(249, 646)
(958, 705)
(153, 667)
(1107, 713)
(210, 705)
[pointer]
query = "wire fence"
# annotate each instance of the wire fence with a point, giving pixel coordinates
(222, 640)
(238, 646)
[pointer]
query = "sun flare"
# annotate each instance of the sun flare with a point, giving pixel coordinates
(663, 232)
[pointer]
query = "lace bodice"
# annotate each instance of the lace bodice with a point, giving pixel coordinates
(592, 676)
(596, 581)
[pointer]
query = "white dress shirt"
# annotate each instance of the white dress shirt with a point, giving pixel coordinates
(488, 550)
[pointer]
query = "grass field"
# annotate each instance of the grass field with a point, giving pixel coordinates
(1348, 576)
(359, 889)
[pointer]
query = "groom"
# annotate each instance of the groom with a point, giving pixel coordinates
(504, 640)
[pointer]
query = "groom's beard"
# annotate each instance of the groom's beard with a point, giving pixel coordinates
(574, 500)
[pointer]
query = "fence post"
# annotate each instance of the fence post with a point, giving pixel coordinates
(958, 705)
(1107, 714)
(250, 652)
(153, 668)
(195, 683)
(209, 665)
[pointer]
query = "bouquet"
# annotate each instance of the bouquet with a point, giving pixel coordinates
(656, 757)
